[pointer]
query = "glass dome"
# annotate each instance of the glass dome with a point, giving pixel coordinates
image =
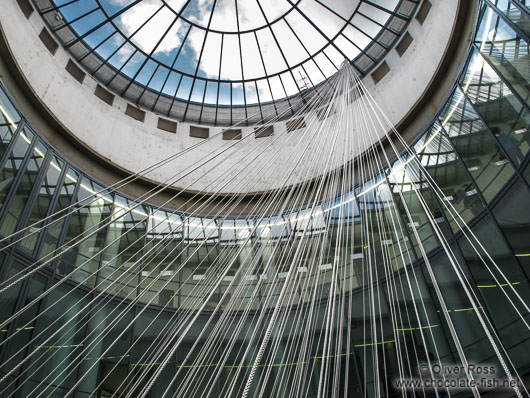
(168, 55)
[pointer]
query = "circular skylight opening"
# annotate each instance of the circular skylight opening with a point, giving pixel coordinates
(224, 52)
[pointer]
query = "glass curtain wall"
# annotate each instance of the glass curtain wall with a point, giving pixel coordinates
(474, 154)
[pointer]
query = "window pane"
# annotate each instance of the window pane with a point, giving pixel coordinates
(476, 146)
(24, 189)
(507, 118)
(55, 225)
(42, 203)
(13, 163)
(506, 51)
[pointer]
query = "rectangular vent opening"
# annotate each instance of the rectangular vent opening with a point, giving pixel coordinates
(425, 7)
(265, 131)
(199, 132)
(26, 7)
(403, 44)
(75, 71)
(380, 72)
(295, 124)
(104, 95)
(135, 113)
(234, 134)
(48, 41)
(167, 125)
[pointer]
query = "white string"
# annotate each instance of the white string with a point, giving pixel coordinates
(347, 105)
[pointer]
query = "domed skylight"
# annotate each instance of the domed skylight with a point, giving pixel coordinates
(223, 52)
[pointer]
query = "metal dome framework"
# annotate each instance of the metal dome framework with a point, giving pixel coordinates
(221, 61)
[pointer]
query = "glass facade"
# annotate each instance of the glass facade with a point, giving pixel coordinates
(475, 153)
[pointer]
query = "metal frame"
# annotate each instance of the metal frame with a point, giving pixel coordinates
(363, 18)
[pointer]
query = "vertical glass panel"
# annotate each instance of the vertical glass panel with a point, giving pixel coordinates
(238, 97)
(191, 256)
(476, 146)
(225, 94)
(460, 313)
(504, 114)
(105, 353)
(236, 259)
(8, 299)
(384, 245)
(515, 223)
(13, 163)
(506, 51)
(150, 331)
(514, 12)
(419, 322)
(86, 234)
(319, 259)
(264, 92)
(323, 258)
(397, 247)
(124, 246)
(163, 257)
(51, 238)
(414, 197)
(211, 264)
(344, 210)
(268, 245)
(24, 325)
(198, 92)
(8, 112)
(496, 282)
(184, 88)
(210, 97)
(450, 179)
(375, 338)
(58, 341)
(9, 121)
(42, 203)
(24, 189)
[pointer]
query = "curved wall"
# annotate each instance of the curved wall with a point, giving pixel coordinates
(134, 145)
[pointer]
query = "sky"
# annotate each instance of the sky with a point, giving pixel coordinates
(200, 38)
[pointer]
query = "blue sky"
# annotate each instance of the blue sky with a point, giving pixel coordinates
(199, 39)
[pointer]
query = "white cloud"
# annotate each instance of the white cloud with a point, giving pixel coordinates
(146, 37)
(224, 19)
